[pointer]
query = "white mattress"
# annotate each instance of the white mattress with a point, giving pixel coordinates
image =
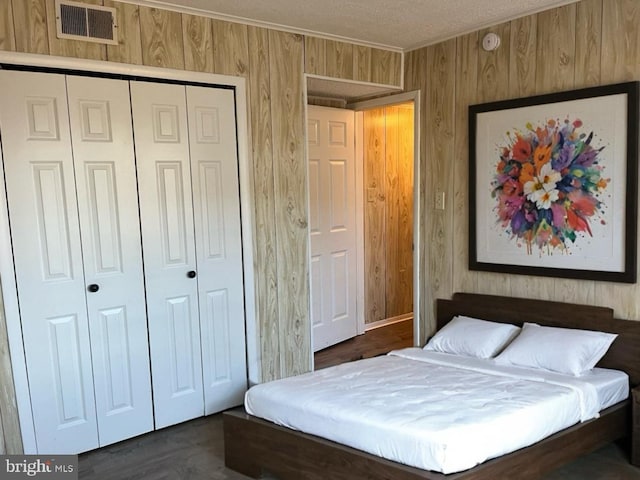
(434, 411)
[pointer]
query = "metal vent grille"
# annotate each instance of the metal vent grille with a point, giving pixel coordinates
(91, 23)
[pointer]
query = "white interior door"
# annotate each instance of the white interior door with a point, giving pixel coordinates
(102, 139)
(48, 259)
(164, 185)
(216, 200)
(332, 205)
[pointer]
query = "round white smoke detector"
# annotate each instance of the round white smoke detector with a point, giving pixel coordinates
(490, 42)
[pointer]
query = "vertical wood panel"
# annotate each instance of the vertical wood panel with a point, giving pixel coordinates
(7, 34)
(620, 40)
(198, 43)
(493, 67)
(466, 84)
(374, 208)
(315, 55)
(415, 79)
(30, 17)
(391, 221)
(588, 43)
(362, 63)
(385, 66)
(404, 282)
(161, 36)
(230, 48)
(129, 48)
(289, 171)
(10, 425)
(522, 64)
(339, 59)
(266, 278)
(72, 48)
(441, 63)
(556, 49)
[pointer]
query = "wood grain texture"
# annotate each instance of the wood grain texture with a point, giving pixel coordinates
(588, 43)
(391, 183)
(266, 278)
(10, 426)
(161, 36)
(315, 55)
(30, 23)
(7, 33)
(198, 43)
(362, 63)
(522, 61)
(230, 48)
(339, 59)
(386, 67)
(620, 41)
(374, 215)
(129, 48)
(289, 171)
(440, 95)
(404, 278)
(72, 48)
(374, 342)
(466, 85)
(556, 49)
(415, 79)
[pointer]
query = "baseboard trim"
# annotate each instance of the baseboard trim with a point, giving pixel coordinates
(388, 321)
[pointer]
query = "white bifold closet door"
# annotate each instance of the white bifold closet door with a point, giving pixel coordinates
(70, 179)
(186, 150)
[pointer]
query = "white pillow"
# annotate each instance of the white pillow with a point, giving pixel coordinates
(563, 350)
(472, 337)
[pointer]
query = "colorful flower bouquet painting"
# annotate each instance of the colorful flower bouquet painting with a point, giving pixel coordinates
(553, 184)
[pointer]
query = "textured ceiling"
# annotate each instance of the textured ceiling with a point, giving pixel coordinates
(398, 24)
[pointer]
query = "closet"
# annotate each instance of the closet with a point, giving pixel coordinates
(125, 227)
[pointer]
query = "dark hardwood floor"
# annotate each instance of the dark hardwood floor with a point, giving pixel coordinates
(195, 450)
(374, 342)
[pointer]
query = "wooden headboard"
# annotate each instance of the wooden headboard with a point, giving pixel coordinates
(624, 353)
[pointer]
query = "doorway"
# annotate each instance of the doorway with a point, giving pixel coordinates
(388, 153)
(386, 210)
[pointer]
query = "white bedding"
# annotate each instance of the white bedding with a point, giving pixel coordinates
(432, 410)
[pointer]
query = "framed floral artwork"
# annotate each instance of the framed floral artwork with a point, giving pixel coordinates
(553, 184)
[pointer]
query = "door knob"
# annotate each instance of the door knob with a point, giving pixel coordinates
(93, 288)
(191, 274)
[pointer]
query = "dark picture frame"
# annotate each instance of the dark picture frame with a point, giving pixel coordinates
(553, 184)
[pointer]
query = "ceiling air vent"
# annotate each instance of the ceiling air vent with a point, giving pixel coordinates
(91, 23)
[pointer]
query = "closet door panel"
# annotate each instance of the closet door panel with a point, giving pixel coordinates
(164, 183)
(48, 259)
(102, 139)
(216, 196)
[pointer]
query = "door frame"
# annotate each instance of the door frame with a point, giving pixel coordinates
(7, 272)
(360, 107)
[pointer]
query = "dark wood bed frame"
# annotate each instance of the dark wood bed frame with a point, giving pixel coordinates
(254, 446)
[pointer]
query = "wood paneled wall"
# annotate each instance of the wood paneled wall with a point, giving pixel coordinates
(587, 43)
(352, 62)
(273, 63)
(388, 211)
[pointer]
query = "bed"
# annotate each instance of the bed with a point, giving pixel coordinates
(254, 446)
